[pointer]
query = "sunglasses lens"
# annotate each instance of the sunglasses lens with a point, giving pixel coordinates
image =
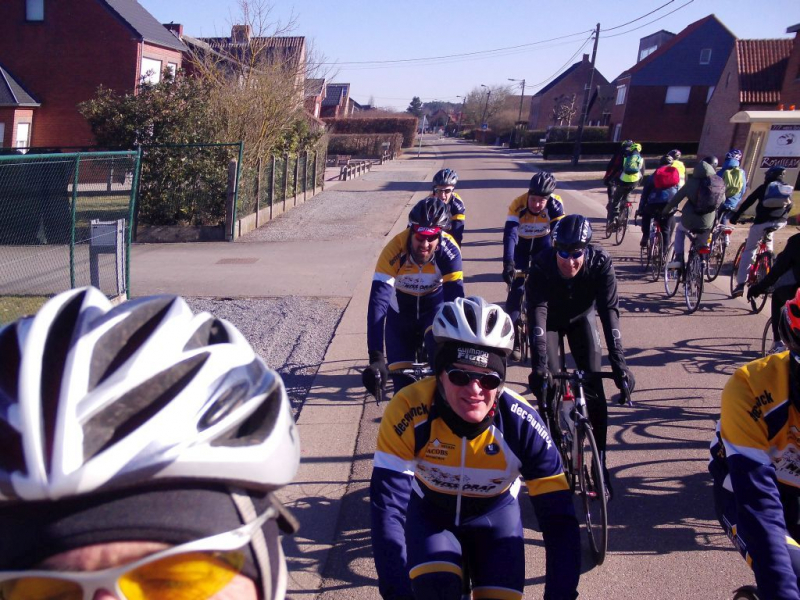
(190, 576)
(490, 381)
(40, 588)
(459, 378)
(566, 255)
(426, 238)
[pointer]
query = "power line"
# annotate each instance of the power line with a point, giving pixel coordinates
(569, 61)
(649, 22)
(638, 18)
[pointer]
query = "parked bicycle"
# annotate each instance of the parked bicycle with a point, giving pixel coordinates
(720, 240)
(758, 269)
(693, 272)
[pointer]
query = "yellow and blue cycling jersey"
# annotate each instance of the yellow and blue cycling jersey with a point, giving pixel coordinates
(410, 290)
(456, 481)
(457, 217)
(526, 233)
(755, 462)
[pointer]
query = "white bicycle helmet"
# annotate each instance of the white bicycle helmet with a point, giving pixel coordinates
(474, 321)
(133, 403)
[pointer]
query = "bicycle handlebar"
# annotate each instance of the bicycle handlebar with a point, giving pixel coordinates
(583, 377)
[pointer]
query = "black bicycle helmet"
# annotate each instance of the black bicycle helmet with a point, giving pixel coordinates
(774, 174)
(675, 154)
(789, 324)
(665, 160)
(711, 160)
(445, 177)
(627, 143)
(573, 232)
(542, 184)
(430, 213)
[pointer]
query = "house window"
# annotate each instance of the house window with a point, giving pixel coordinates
(617, 131)
(710, 93)
(34, 10)
(151, 70)
(647, 52)
(678, 94)
(620, 94)
(172, 68)
(23, 138)
(705, 56)
(2, 133)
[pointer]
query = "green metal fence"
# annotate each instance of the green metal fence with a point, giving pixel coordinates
(65, 222)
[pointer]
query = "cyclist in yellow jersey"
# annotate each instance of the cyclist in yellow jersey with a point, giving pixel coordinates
(444, 185)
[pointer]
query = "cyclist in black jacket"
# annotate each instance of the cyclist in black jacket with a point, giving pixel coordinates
(785, 275)
(567, 285)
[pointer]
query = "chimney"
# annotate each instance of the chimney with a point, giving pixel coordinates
(585, 58)
(175, 28)
(240, 34)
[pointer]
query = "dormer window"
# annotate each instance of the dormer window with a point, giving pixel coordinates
(34, 10)
(705, 56)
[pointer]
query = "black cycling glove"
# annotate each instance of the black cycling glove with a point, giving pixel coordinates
(508, 272)
(622, 375)
(538, 378)
(376, 375)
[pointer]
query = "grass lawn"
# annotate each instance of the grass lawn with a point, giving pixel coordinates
(14, 307)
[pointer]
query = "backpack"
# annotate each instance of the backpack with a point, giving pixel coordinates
(632, 164)
(710, 194)
(666, 177)
(777, 195)
(662, 196)
(734, 181)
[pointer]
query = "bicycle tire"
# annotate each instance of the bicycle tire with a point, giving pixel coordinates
(736, 260)
(717, 256)
(693, 286)
(591, 486)
(524, 346)
(672, 277)
(657, 256)
(746, 592)
(622, 224)
(767, 335)
(609, 227)
(644, 256)
(763, 266)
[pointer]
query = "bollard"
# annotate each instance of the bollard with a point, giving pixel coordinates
(229, 201)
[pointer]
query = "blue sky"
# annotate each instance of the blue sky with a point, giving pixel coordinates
(349, 30)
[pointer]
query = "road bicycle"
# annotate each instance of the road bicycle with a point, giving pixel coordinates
(618, 225)
(521, 326)
(654, 255)
(720, 240)
(416, 370)
(758, 269)
(693, 272)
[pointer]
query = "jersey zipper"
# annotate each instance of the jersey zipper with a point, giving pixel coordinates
(461, 479)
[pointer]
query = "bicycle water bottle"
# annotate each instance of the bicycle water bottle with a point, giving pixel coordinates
(567, 406)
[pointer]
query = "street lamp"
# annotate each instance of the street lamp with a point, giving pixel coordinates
(486, 107)
(521, 100)
(461, 114)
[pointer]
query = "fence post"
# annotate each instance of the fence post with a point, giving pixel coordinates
(72, 232)
(271, 185)
(258, 189)
(316, 173)
(131, 226)
(305, 175)
(296, 175)
(230, 201)
(285, 179)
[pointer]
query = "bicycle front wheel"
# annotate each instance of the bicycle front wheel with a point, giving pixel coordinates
(524, 346)
(693, 287)
(764, 266)
(622, 225)
(593, 490)
(736, 260)
(672, 275)
(717, 257)
(656, 248)
(766, 337)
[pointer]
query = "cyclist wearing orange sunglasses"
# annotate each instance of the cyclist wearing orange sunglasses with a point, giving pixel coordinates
(140, 455)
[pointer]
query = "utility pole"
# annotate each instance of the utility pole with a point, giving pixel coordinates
(486, 107)
(576, 151)
(521, 100)
(461, 114)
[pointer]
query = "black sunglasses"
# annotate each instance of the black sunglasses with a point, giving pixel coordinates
(567, 255)
(488, 381)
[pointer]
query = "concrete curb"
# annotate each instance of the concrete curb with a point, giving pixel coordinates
(329, 426)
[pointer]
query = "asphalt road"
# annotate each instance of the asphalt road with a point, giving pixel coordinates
(664, 540)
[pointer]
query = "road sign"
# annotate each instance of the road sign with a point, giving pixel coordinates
(485, 126)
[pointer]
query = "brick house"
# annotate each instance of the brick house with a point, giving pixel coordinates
(564, 88)
(751, 80)
(16, 112)
(314, 95)
(60, 52)
(336, 102)
(790, 91)
(665, 95)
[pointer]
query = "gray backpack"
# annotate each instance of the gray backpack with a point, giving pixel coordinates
(777, 195)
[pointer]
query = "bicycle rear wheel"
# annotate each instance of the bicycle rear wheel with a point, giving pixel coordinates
(622, 225)
(763, 266)
(672, 276)
(593, 490)
(736, 260)
(609, 226)
(766, 337)
(524, 347)
(693, 286)
(717, 257)
(656, 248)
(644, 256)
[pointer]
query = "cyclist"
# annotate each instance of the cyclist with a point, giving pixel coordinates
(678, 164)
(785, 276)
(774, 199)
(614, 169)
(659, 188)
(754, 463)
(418, 270)
(630, 177)
(569, 285)
(451, 449)
(444, 183)
(704, 193)
(735, 180)
(527, 232)
(144, 440)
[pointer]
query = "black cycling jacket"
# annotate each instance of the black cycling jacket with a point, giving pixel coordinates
(554, 301)
(763, 214)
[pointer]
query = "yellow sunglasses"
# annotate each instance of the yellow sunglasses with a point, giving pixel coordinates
(193, 571)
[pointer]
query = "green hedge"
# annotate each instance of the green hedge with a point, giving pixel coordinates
(366, 145)
(554, 149)
(405, 125)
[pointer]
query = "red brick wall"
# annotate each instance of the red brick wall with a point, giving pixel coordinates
(156, 53)
(618, 110)
(62, 60)
(649, 119)
(790, 93)
(718, 132)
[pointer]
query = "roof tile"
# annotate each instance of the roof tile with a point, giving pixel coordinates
(762, 66)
